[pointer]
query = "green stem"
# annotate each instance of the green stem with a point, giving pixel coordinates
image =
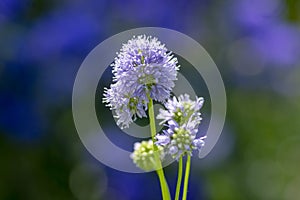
(186, 177)
(179, 179)
(152, 120)
(163, 186)
(163, 183)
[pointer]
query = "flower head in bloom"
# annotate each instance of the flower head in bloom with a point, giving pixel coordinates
(144, 155)
(182, 118)
(143, 68)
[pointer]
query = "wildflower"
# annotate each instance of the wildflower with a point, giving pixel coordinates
(144, 67)
(144, 155)
(182, 118)
(126, 108)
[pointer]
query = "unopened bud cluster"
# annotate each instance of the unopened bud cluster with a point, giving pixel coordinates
(145, 156)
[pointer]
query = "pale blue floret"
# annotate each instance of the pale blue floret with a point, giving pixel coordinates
(181, 105)
(182, 117)
(142, 67)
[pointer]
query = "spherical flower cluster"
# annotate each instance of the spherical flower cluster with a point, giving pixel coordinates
(144, 155)
(182, 118)
(143, 69)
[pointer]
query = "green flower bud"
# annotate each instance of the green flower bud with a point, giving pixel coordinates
(144, 155)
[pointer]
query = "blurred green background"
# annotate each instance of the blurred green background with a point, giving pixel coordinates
(255, 44)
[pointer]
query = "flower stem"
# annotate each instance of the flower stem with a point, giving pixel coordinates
(186, 177)
(163, 183)
(179, 179)
(152, 121)
(164, 187)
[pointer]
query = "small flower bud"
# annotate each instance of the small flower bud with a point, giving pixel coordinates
(144, 155)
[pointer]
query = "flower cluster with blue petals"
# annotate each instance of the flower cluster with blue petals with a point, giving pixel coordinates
(182, 117)
(143, 69)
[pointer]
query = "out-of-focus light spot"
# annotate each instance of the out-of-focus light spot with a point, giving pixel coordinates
(244, 58)
(88, 182)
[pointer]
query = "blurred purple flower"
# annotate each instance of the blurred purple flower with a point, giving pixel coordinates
(274, 41)
(62, 33)
(171, 14)
(253, 14)
(57, 44)
(279, 45)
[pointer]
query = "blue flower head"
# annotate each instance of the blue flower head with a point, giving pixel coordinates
(182, 117)
(143, 68)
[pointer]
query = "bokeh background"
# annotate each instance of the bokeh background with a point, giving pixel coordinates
(255, 44)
